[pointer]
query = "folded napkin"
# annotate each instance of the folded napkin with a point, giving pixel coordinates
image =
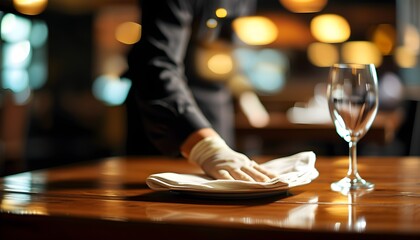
(292, 171)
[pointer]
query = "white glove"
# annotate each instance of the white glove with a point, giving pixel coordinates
(219, 161)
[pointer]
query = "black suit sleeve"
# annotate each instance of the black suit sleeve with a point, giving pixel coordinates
(156, 68)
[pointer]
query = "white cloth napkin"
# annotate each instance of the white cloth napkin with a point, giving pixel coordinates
(292, 171)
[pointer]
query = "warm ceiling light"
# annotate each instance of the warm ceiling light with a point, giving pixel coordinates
(384, 38)
(128, 32)
(220, 63)
(330, 28)
(221, 13)
(216, 63)
(30, 7)
(322, 54)
(304, 6)
(361, 52)
(405, 57)
(255, 30)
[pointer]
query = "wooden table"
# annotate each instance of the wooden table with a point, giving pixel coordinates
(108, 199)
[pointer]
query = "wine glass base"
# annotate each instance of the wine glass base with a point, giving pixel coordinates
(347, 185)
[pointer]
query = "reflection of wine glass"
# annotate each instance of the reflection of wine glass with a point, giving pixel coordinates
(353, 103)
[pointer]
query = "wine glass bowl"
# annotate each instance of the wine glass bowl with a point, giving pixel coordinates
(353, 103)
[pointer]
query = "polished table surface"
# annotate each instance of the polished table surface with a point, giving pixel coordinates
(108, 199)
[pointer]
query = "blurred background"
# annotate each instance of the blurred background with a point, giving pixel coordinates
(61, 97)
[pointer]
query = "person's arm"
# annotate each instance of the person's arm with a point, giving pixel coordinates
(156, 68)
(170, 114)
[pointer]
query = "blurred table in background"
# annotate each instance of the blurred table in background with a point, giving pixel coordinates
(281, 130)
(109, 199)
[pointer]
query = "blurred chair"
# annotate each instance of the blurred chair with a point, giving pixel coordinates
(409, 132)
(414, 149)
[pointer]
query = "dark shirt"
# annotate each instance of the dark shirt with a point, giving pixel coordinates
(168, 100)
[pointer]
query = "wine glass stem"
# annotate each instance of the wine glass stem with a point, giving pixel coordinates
(352, 172)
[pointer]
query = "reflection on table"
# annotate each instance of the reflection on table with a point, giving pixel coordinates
(108, 198)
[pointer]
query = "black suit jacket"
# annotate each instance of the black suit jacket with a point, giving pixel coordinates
(168, 99)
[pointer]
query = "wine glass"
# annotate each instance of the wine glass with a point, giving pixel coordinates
(353, 103)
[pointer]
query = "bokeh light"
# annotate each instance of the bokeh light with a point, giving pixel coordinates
(23, 97)
(253, 109)
(17, 55)
(39, 34)
(215, 63)
(411, 38)
(330, 28)
(362, 52)
(16, 80)
(255, 30)
(292, 32)
(37, 74)
(128, 32)
(220, 63)
(405, 57)
(23, 57)
(304, 6)
(15, 28)
(266, 69)
(211, 23)
(391, 90)
(110, 89)
(322, 54)
(221, 12)
(30, 7)
(384, 37)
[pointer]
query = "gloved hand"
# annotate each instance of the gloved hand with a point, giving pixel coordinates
(219, 161)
